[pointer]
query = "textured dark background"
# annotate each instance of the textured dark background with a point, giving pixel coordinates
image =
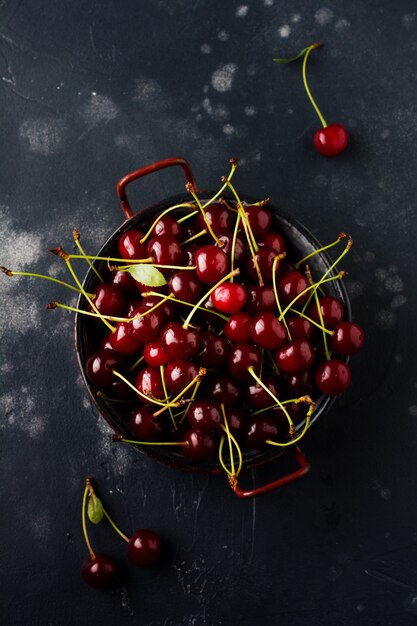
(92, 90)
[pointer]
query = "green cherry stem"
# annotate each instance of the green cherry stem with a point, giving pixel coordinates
(162, 372)
(274, 285)
(113, 525)
(232, 253)
(233, 163)
(142, 395)
(87, 491)
(189, 187)
(300, 314)
(190, 239)
(316, 298)
(105, 258)
(187, 217)
(319, 250)
(184, 444)
(76, 237)
(310, 288)
(290, 401)
(183, 205)
(234, 272)
(268, 391)
(136, 363)
(300, 436)
(227, 431)
(177, 400)
(11, 273)
(174, 299)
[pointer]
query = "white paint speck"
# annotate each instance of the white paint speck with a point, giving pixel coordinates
(394, 284)
(250, 111)
(242, 10)
(385, 319)
(323, 16)
(18, 409)
(223, 35)
(385, 133)
(146, 89)
(295, 18)
(381, 274)
(408, 20)
(228, 129)
(342, 24)
(284, 31)
(269, 3)
(354, 288)
(412, 410)
(98, 110)
(205, 48)
(369, 257)
(45, 136)
(222, 78)
(251, 71)
(398, 300)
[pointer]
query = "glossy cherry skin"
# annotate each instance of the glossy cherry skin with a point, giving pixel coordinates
(149, 383)
(241, 357)
(348, 338)
(168, 225)
(219, 217)
(295, 357)
(121, 390)
(222, 389)
(201, 446)
(212, 264)
(332, 311)
(275, 241)
(235, 420)
(299, 327)
(167, 307)
(144, 547)
(178, 373)
(99, 367)
(125, 281)
(148, 326)
(213, 350)
(101, 572)
(130, 246)
(257, 397)
(205, 416)
(121, 340)
(260, 220)
(240, 251)
(166, 250)
(185, 285)
(299, 384)
(332, 377)
(331, 140)
(144, 426)
(260, 299)
(238, 328)
(154, 354)
(267, 332)
(109, 299)
(179, 342)
(229, 298)
(259, 429)
(265, 258)
(290, 285)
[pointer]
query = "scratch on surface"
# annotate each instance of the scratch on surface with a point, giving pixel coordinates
(93, 45)
(388, 579)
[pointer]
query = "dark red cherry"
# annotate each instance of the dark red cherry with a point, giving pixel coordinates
(347, 338)
(144, 426)
(125, 281)
(149, 383)
(295, 357)
(238, 328)
(229, 298)
(260, 219)
(297, 412)
(275, 241)
(290, 285)
(240, 251)
(219, 217)
(213, 350)
(144, 547)
(130, 246)
(241, 357)
(267, 332)
(179, 342)
(168, 225)
(99, 367)
(299, 384)
(154, 354)
(222, 389)
(166, 250)
(185, 285)
(148, 326)
(235, 420)
(122, 341)
(204, 416)
(121, 390)
(212, 264)
(109, 299)
(101, 572)
(331, 140)
(299, 327)
(332, 311)
(259, 429)
(265, 258)
(260, 300)
(178, 373)
(132, 305)
(167, 307)
(201, 446)
(332, 377)
(257, 397)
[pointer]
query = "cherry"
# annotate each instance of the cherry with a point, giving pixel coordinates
(290, 285)
(240, 251)
(273, 240)
(179, 342)
(167, 307)
(299, 327)
(100, 572)
(235, 420)
(147, 327)
(267, 332)
(347, 338)
(122, 341)
(125, 281)
(265, 259)
(166, 250)
(332, 311)
(299, 384)
(259, 219)
(99, 367)
(213, 350)
(238, 328)
(178, 374)
(295, 357)
(332, 377)
(154, 354)
(168, 225)
(132, 305)
(130, 246)
(119, 389)
(260, 300)
(212, 264)
(144, 547)
(241, 357)
(259, 429)
(229, 297)
(204, 416)
(144, 426)
(219, 217)
(257, 397)
(222, 389)
(295, 410)
(185, 285)
(109, 299)
(149, 383)
(201, 445)
(331, 140)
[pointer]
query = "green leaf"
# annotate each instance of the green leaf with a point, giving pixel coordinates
(95, 509)
(299, 55)
(147, 275)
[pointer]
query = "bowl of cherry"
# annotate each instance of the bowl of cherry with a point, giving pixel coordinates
(212, 331)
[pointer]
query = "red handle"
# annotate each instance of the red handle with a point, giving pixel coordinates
(149, 169)
(276, 484)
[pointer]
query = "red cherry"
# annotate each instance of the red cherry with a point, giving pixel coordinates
(332, 311)
(121, 340)
(257, 397)
(347, 338)
(240, 251)
(100, 572)
(166, 250)
(211, 263)
(260, 299)
(235, 420)
(149, 383)
(99, 367)
(260, 219)
(267, 332)
(222, 389)
(130, 246)
(185, 286)
(144, 426)
(154, 354)
(213, 350)
(259, 429)
(299, 327)
(179, 342)
(290, 285)
(295, 357)
(204, 416)
(265, 259)
(332, 377)
(148, 326)
(241, 357)
(125, 281)
(168, 225)
(201, 446)
(300, 384)
(219, 217)
(109, 299)
(144, 547)
(331, 140)
(229, 297)
(178, 374)
(275, 241)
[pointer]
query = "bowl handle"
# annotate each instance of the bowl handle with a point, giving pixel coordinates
(149, 169)
(275, 484)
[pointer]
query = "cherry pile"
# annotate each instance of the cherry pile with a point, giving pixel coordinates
(209, 333)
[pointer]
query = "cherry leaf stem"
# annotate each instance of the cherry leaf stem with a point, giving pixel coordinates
(162, 372)
(319, 250)
(76, 237)
(44, 276)
(274, 285)
(83, 520)
(290, 401)
(320, 314)
(300, 436)
(113, 525)
(183, 205)
(234, 272)
(273, 396)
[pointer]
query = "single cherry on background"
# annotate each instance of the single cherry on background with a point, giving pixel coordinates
(100, 572)
(332, 377)
(144, 547)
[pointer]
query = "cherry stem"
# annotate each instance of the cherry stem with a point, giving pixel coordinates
(183, 205)
(107, 398)
(108, 258)
(162, 369)
(233, 163)
(191, 190)
(193, 395)
(76, 237)
(189, 304)
(310, 288)
(300, 314)
(316, 108)
(190, 239)
(274, 284)
(83, 519)
(293, 441)
(185, 444)
(319, 250)
(234, 272)
(227, 431)
(177, 400)
(142, 395)
(136, 363)
(273, 396)
(33, 275)
(232, 253)
(113, 525)
(290, 401)
(186, 217)
(320, 314)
